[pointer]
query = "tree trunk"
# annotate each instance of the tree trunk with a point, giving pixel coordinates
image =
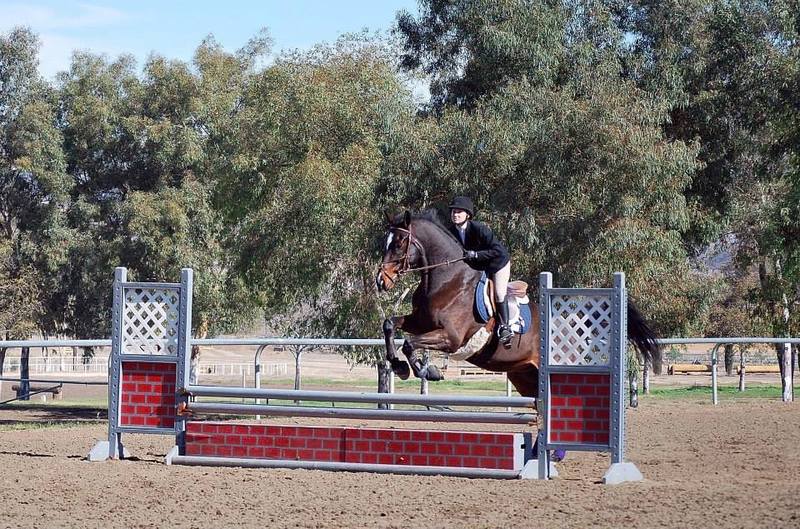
(646, 377)
(785, 354)
(24, 374)
(298, 368)
(634, 391)
(423, 383)
(384, 378)
(2, 364)
(729, 359)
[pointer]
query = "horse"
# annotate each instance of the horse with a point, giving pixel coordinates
(442, 316)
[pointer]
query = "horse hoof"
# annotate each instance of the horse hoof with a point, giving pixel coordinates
(400, 368)
(433, 374)
(558, 455)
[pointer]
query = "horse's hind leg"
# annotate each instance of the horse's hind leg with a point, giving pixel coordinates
(399, 367)
(429, 372)
(438, 340)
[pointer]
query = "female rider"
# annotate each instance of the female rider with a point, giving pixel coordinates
(483, 251)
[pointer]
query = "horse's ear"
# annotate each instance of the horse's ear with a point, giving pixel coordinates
(388, 217)
(407, 219)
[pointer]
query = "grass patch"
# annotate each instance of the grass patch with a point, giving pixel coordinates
(759, 391)
(89, 402)
(453, 386)
(39, 425)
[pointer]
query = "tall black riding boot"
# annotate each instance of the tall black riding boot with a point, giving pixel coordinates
(504, 331)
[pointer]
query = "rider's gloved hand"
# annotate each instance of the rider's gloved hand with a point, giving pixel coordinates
(470, 255)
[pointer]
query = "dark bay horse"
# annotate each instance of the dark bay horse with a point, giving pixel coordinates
(442, 316)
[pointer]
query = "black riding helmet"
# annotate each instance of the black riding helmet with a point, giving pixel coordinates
(465, 203)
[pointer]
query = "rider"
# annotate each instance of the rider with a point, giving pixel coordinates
(483, 251)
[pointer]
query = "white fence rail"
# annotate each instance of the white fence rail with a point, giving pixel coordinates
(98, 365)
(59, 364)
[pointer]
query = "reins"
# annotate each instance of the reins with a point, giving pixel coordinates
(437, 265)
(405, 258)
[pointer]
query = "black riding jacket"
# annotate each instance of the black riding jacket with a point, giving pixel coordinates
(478, 237)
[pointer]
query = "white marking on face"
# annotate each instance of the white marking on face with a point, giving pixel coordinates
(389, 240)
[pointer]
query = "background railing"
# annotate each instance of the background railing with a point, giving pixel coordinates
(64, 362)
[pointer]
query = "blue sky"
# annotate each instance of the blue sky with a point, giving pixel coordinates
(175, 28)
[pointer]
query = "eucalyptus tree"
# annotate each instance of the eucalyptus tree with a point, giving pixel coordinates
(297, 185)
(137, 150)
(565, 157)
(726, 68)
(786, 129)
(33, 193)
(96, 99)
(34, 188)
(471, 48)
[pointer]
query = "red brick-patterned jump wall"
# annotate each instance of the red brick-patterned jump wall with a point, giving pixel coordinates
(580, 407)
(148, 394)
(354, 445)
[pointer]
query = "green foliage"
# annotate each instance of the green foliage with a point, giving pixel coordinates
(581, 183)
(303, 170)
(474, 48)
(34, 190)
(725, 70)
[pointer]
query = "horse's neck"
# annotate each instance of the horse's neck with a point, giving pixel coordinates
(440, 247)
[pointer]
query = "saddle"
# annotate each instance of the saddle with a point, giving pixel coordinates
(519, 314)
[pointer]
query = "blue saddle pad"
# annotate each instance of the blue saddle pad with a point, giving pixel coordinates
(525, 312)
(480, 298)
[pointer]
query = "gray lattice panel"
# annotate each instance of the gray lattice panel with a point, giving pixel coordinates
(580, 329)
(150, 321)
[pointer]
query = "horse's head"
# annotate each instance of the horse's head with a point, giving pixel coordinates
(400, 252)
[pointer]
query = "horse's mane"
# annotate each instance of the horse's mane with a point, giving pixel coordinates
(432, 216)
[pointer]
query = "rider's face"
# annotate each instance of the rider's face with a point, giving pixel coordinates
(458, 216)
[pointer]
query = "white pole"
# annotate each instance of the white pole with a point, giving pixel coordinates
(508, 389)
(391, 387)
(742, 368)
(787, 395)
(714, 398)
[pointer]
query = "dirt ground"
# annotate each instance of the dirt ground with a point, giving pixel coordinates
(734, 465)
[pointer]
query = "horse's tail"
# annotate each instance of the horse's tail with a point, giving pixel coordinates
(643, 338)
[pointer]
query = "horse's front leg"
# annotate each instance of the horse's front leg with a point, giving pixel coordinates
(399, 367)
(438, 340)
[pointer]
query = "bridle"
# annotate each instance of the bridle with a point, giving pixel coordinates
(405, 259)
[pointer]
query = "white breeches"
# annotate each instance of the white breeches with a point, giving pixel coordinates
(501, 278)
